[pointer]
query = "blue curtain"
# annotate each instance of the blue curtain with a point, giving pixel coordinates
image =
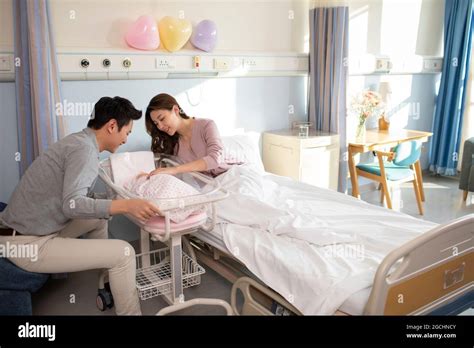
(37, 80)
(329, 44)
(451, 100)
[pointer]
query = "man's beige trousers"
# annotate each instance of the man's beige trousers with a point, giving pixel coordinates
(63, 252)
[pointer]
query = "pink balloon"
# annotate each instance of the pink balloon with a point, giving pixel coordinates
(143, 34)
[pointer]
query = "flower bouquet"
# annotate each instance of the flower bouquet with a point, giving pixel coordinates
(364, 105)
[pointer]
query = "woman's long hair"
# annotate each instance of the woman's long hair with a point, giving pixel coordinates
(162, 142)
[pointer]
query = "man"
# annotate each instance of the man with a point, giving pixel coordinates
(53, 205)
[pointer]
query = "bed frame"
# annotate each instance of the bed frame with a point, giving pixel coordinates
(431, 274)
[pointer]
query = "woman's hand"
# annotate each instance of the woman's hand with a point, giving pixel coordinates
(166, 170)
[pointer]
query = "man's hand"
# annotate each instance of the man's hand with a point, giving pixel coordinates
(167, 170)
(141, 209)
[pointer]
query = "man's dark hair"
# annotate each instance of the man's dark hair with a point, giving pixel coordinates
(107, 108)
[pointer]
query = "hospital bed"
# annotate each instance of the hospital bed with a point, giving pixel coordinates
(439, 260)
(165, 271)
(435, 275)
(429, 273)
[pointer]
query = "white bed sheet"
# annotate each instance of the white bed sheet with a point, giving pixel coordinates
(354, 305)
(315, 247)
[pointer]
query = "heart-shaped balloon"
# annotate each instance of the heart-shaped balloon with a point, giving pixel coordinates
(143, 34)
(205, 35)
(174, 32)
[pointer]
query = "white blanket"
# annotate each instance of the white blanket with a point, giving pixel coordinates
(314, 246)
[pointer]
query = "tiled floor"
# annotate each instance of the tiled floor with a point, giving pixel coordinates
(76, 294)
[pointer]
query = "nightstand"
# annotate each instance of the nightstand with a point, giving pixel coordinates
(313, 159)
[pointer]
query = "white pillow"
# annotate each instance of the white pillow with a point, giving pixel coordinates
(165, 186)
(243, 149)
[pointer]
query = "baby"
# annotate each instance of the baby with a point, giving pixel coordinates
(161, 186)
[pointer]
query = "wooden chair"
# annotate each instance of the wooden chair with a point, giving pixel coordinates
(400, 167)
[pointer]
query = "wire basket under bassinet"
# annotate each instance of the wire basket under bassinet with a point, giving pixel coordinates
(155, 279)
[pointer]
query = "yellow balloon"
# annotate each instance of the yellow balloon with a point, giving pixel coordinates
(174, 32)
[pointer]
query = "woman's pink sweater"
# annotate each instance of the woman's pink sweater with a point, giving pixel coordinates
(205, 144)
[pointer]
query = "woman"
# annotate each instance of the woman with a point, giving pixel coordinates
(195, 141)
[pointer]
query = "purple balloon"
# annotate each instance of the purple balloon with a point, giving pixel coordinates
(205, 35)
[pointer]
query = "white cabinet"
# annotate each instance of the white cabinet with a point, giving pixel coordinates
(313, 159)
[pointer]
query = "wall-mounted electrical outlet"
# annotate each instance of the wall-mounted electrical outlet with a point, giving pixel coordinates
(222, 63)
(383, 64)
(250, 62)
(164, 63)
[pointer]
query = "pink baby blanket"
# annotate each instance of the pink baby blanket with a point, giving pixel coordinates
(165, 186)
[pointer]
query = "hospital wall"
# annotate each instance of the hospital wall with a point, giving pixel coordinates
(259, 103)
(379, 27)
(243, 25)
(6, 26)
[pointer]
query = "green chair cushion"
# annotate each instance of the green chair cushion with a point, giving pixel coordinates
(407, 153)
(392, 171)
